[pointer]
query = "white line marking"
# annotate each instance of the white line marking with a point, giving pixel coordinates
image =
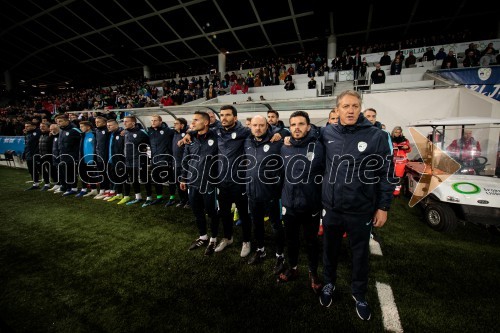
(390, 315)
(375, 247)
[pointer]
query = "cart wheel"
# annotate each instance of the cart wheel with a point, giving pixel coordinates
(440, 217)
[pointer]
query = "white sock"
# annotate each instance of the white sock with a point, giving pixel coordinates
(149, 198)
(36, 184)
(101, 191)
(112, 192)
(261, 249)
(138, 196)
(74, 189)
(83, 190)
(213, 239)
(279, 255)
(204, 237)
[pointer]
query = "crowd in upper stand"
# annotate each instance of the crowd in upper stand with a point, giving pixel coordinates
(137, 93)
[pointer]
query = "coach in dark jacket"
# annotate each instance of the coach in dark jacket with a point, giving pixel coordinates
(301, 195)
(356, 195)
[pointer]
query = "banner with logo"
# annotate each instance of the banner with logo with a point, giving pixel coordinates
(15, 143)
(484, 80)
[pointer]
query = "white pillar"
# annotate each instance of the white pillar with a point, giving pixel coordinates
(222, 64)
(146, 71)
(331, 51)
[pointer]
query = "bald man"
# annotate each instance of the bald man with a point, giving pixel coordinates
(264, 189)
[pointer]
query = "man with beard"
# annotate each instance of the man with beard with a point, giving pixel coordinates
(263, 187)
(301, 195)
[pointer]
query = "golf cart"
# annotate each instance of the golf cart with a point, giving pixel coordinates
(457, 176)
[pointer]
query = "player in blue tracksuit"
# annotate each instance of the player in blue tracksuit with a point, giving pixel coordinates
(162, 172)
(263, 185)
(69, 153)
(356, 195)
(199, 172)
(87, 165)
(304, 165)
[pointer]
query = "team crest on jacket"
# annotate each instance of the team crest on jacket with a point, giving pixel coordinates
(266, 148)
(55, 139)
(103, 132)
(310, 156)
(67, 133)
(117, 137)
(283, 210)
(362, 146)
(34, 134)
(161, 132)
(183, 135)
(233, 135)
(135, 135)
(90, 139)
(210, 142)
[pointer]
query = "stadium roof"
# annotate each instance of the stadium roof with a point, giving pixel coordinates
(57, 41)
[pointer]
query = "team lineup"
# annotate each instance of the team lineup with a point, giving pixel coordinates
(341, 174)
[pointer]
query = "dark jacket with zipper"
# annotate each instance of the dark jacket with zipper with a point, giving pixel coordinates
(199, 164)
(160, 139)
(31, 144)
(69, 143)
(359, 168)
(263, 173)
(304, 166)
(136, 142)
(101, 143)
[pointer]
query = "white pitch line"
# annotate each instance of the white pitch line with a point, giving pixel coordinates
(375, 247)
(390, 314)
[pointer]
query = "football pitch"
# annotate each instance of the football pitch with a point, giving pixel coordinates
(84, 265)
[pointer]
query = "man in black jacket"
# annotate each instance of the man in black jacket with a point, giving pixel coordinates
(136, 160)
(69, 154)
(301, 195)
(263, 187)
(31, 153)
(199, 171)
(101, 150)
(54, 137)
(160, 138)
(115, 161)
(378, 75)
(45, 149)
(356, 195)
(180, 128)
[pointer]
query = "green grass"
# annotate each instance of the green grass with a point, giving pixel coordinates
(70, 265)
